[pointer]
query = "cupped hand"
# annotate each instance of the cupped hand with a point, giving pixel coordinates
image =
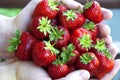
(27, 70)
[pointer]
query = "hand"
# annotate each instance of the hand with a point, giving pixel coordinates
(20, 22)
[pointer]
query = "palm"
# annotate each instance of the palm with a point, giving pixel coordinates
(9, 26)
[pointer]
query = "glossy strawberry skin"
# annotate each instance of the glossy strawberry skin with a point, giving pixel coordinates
(106, 65)
(25, 48)
(72, 24)
(92, 66)
(65, 38)
(94, 13)
(94, 33)
(73, 59)
(43, 9)
(57, 71)
(33, 28)
(42, 57)
(62, 8)
(78, 33)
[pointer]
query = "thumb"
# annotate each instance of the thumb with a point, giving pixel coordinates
(23, 18)
(77, 75)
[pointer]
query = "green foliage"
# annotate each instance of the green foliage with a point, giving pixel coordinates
(85, 41)
(56, 34)
(89, 25)
(14, 42)
(44, 26)
(50, 47)
(86, 58)
(53, 4)
(88, 5)
(10, 12)
(71, 15)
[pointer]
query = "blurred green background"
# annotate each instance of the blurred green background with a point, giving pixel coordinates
(10, 12)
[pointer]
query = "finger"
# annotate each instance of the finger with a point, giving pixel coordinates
(22, 19)
(72, 4)
(107, 14)
(77, 75)
(113, 50)
(114, 71)
(28, 71)
(104, 30)
(107, 39)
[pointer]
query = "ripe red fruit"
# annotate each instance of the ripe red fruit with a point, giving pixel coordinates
(40, 27)
(92, 28)
(88, 61)
(61, 8)
(69, 55)
(60, 36)
(106, 64)
(71, 19)
(44, 53)
(46, 8)
(81, 39)
(57, 71)
(22, 45)
(92, 11)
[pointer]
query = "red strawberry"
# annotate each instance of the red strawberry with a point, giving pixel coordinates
(92, 11)
(93, 29)
(71, 19)
(106, 64)
(47, 8)
(61, 8)
(40, 27)
(44, 53)
(60, 36)
(24, 45)
(58, 70)
(88, 61)
(104, 57)
(81, 39)
(69, 54)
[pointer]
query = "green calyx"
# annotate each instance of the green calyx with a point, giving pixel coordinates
(50, 47)
(85, 41)
(107, 54)
(89, 25)
(100, 45)
(67, 53)
(58, 61)
(53, 4)
(45, 26)
(71, 15)
(56, 34)
(86, 58)
(88, 5)
(14, 42)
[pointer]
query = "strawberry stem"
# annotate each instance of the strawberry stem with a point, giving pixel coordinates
(86, 58)
(53, 4)
(71, 15)
(85, 41)
(89, 25)
(14, 42)
(44, 25)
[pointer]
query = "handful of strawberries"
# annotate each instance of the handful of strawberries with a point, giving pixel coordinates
(62, 40)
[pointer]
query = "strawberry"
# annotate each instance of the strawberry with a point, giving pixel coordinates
(44, 53)
(61, 8)
(81, 39)
(58, 69)
(46, 8)
(88, 61)
(23, 45)
(69, 54)
(60, 36)
(106, 64)
(71, 19)
(104, 57)
(92, 28)
(92, 11)
(40, 27)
